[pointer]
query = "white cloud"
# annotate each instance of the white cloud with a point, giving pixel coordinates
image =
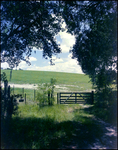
(67, 41)
(70, 67)
(35, 49)
(32, 59)
(61, 65)
(64, 25)
(56, 60)
(70, 55)
(22, 65)
(4, 65)
(59, 60)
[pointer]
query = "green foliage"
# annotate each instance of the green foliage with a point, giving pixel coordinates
(96, 43)
(95, 47)
(105, 105)
(55, 127)
(3, 77)
(25, 25)
(9, 105)
(45, 93)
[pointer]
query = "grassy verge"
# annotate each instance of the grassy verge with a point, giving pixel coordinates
(58, 126)
(107, 113)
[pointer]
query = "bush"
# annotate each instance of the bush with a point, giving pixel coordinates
(8, 103)
(45, 93)
(105, 105)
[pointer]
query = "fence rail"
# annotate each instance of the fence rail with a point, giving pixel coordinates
(75, 97)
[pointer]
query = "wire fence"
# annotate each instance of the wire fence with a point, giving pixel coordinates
(28, 94)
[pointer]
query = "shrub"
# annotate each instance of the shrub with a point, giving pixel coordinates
(45, 93)
(105, 106)
(8, 102)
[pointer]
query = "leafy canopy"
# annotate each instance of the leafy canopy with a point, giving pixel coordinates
(94, 24)
(25, 25)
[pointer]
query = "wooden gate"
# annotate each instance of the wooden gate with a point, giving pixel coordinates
(75, 97)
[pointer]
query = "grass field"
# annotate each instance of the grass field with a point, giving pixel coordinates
(69, 82)
(65, 81)
(35, 77)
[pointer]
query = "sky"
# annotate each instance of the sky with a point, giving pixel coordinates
(63, 61)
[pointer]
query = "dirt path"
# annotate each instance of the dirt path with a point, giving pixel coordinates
(107, 141)
(109, 138)
(32, 86)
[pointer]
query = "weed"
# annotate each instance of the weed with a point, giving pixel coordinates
(45, 93)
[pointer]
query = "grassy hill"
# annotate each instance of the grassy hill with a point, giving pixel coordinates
(69, 82)
(35, 77)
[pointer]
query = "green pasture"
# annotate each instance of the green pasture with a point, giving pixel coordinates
(35, 77)
(65, 81)
(69, 82)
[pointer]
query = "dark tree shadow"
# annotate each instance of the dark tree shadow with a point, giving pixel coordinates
(38, 133)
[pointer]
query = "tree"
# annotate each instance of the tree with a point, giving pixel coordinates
(25, 25)
(34, 23)
(94, 24)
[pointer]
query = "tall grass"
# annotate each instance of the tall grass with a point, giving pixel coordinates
(58, 126)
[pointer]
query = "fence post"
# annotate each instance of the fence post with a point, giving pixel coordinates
(25, 98)
(75, 98)
(9, 104)
(92, 97)
(34, 94)
(9, 92)
(23, 92)
(57, 98)
(48, 97)
(51, 98)
(60, 97)
(5, 96)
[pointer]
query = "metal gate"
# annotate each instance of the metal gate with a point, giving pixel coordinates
(75, 97)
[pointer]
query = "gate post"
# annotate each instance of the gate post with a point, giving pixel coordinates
(60, 97)
(48, 97)
(75, 98)
(92, 97)
(22, 92)
(34, 94)
(25, 98)
(57, 98)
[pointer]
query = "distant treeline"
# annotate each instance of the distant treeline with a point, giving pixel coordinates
(10, 69)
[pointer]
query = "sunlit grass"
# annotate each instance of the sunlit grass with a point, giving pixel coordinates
(57, 112)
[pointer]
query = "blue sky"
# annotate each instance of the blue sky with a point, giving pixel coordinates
(63, 61)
